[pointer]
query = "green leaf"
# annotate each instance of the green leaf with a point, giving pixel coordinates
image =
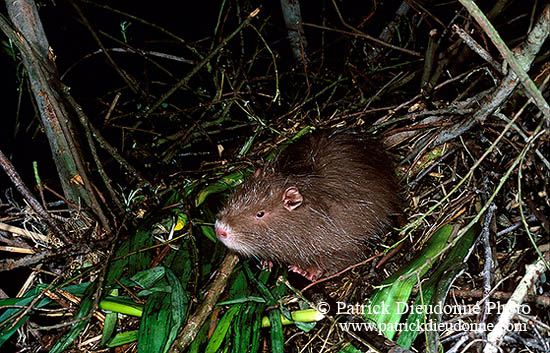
(189, 187)
(117, 267)
(439, 299)
(241, 330)
(123, 338)
(264, 291)
(256, 316)
(85, 306)
(155, 323)
(110, 323)
(108, 327)
(221, 330)
(163, 315)
(122, 306)
(147, 278)
(385, 306)
(140, 260)
(224, 183)
(299, 316)
(181, 263)
(179, 306)
(239, 287)
(209, 232)
(243, 300)
(277, 338)
(8, 325)
(437, 279)
(244, 333)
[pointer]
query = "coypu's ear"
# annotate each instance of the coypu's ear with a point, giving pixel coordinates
(292, 198)
(257, 173)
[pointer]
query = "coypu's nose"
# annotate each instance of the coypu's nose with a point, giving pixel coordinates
(220, 231)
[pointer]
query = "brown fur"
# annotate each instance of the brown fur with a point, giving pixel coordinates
(349, 194)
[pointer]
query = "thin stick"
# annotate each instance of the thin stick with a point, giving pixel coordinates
(27, 194)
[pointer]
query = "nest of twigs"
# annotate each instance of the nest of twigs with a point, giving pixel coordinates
(110, 246)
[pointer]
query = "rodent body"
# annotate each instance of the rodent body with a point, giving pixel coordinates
(319, 206)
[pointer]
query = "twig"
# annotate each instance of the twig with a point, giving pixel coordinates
(35, 300)
(31, 40)
(141, 20)
(130, 81)
(523, 219)
(472, 44)
(89, 137)
(324, 279)
(144, 53)
(486, 274)
(526, 55)
(464, 337)
(111, 108)
(522, 60)
(203, 62)
(104, 144)
(27, 194)
(364, 35)
(501, 183)
(511, 308)
(388, 32)
(73, 250)
(515, 226)
(203, 311)
(429, 62)
(276, 97)
(500, 295)
(422, 174)
(17, 250)
(30, 280)
(24, 232)
(525, 137)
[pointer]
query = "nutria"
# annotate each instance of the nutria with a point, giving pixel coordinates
(319, 207)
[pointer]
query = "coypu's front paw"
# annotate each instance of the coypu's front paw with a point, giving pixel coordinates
(312, 274)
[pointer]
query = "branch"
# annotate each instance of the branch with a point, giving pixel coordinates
(511, 308)
(28, 35)
(29, 197)
(496, 98)
(203, 311)
(523, 58)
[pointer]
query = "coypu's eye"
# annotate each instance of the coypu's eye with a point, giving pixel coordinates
(260, 214)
